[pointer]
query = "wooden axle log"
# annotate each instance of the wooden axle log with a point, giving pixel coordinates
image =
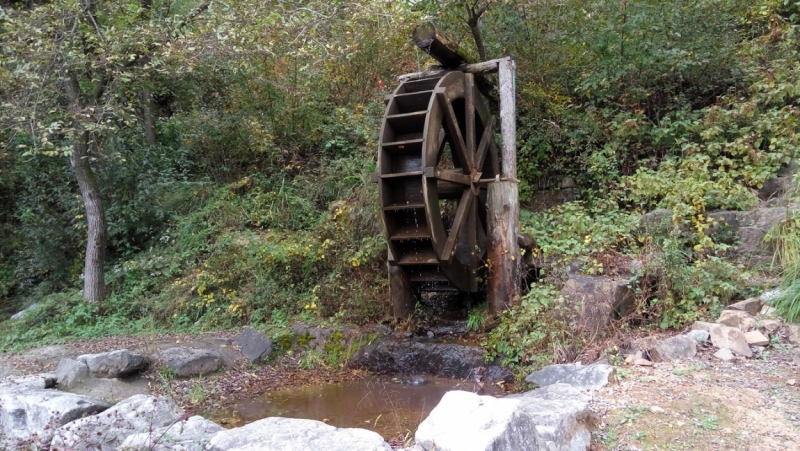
(439, 46)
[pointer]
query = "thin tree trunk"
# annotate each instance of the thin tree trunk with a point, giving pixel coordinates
(94, 263)
(474, 22)
(148, 118)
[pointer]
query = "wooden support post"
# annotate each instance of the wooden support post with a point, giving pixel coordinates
(400, 292)
(503, 203)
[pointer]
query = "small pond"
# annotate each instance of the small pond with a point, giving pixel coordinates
(391, 407)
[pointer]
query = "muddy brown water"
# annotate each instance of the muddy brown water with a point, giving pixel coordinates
(389, 406)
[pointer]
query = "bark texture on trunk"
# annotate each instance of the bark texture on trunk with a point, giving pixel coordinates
(148, 118)
(503, 251)
(94, 263)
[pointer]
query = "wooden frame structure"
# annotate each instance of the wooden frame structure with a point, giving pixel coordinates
(502, 198)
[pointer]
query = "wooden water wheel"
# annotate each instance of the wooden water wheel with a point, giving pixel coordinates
(436, 148)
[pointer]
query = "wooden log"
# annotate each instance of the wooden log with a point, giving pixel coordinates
(482, 68)
(400, 292)
(439, 46)
(508, 119)
(503, 255)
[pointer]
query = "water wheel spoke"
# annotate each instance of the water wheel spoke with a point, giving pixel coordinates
(486, 139)
(462, 214)
(469, 117)
(452, 175)
(453, 130)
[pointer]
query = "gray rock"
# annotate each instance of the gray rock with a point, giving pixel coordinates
(796, 356)
(20, 314)
(255, 345)
(464, 421)
(770, 325)
(562, 416)
(793, 333)
(754, 226)
(113, 364)
(30, 416)
(192, 434)
(756, 338)
(724, 354)
(70, 373)
(582, 377)
(770, 295)
(415, 357)
(731, 338)
(594, 301)
(33, 381)
(674, 348)
(738, 319)
(107, 431)
(752, 306)
(704, 326)
(187, 362)
(700, 336)
(290, 434)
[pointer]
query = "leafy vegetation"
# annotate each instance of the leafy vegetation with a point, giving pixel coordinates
(232, 145)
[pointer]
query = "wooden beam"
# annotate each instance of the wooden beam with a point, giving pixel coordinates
(482, 68)
(400, 292)
(508, 120)
(503, 254)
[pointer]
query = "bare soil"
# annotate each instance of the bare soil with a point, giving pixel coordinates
(703, 404)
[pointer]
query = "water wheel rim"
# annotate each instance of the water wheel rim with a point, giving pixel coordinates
(449, 248)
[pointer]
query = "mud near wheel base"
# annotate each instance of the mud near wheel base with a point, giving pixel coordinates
(392, 407)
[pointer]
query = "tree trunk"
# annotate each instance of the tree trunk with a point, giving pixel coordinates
(148, 118)
(94, 263)
(440, 47)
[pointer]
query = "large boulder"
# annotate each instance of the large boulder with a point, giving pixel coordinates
(21, 314)
(592, 302)
(188, 362)
(562, 416)
(731, 338)
(71, 373)
(674, 348)
(582, 377)
(738, 319)
(255, 345)
(752, 306)
(464, 421)
(112, 364)
(418, 357)
(754, 226)
(29, 416)
(191, 434)
(107, 431)
(290, 434)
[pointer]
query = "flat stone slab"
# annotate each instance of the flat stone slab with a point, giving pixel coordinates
(113, 364)
(188, 362)
(582, 377)
(756, 338)
(291, 434)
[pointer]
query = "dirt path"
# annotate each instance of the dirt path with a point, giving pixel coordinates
(703, 404)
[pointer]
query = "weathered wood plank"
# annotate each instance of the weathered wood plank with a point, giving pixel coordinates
(508, 120)
(400, 292)
(503, 254)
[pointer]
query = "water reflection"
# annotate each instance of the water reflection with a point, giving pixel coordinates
(390, 407)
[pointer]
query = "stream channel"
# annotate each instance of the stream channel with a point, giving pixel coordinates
(392, 407)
